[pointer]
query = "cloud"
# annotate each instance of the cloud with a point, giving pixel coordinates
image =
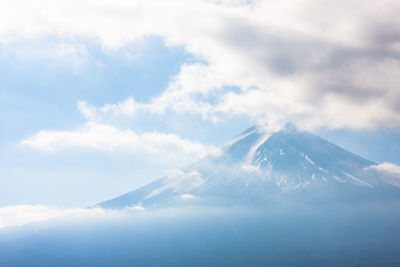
(126, 108)
(65, 54)
(188, 197)
(184, 94)
(389, 172)
(387, 167)
(105, 137)
(23, 214)
(318, 63)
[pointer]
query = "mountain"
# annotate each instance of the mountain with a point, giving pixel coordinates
(260, 166)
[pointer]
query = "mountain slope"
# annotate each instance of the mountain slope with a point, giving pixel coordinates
(259, 165)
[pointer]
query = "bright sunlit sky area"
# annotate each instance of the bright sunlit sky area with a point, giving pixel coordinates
(100, 97)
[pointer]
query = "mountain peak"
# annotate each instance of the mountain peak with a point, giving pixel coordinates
(272, 128)
(257, 165)
(265, 128)
(290, 127)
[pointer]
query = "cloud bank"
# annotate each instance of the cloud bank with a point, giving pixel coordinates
(23, 214)
(318, 63)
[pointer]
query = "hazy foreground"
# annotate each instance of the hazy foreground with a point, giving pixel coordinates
(290, 234)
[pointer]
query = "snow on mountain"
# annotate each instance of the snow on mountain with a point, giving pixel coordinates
(258, 165)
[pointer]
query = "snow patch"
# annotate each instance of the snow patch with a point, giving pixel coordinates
(358, 180)
(250, 168)
(338, 179)
(188, 196)
(253, 149)
(309, 160)
(240, 137)
(281, 181)
(180, 182)
(322, 170)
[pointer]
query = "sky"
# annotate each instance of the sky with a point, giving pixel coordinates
(100, 97)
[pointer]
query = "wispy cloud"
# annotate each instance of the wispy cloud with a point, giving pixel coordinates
(126, 108)
(105, 137)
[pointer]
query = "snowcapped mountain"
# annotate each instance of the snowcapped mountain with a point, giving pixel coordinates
(259, 165)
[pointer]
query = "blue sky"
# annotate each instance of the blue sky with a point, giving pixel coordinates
(92, 110)
(39, 94)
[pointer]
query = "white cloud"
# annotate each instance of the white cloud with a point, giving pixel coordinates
(387, 167)
(65, 53)
(105, 137)
(23, 214)
(193, 81)
(87, 110)
(126, 108)
(389, 172)
(314, 62)
(188, 197)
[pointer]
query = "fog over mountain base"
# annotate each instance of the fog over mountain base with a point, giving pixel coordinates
(281, 234)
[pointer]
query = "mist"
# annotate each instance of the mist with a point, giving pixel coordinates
(282, 233)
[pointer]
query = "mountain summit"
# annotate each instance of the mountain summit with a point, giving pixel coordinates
(259, 165)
